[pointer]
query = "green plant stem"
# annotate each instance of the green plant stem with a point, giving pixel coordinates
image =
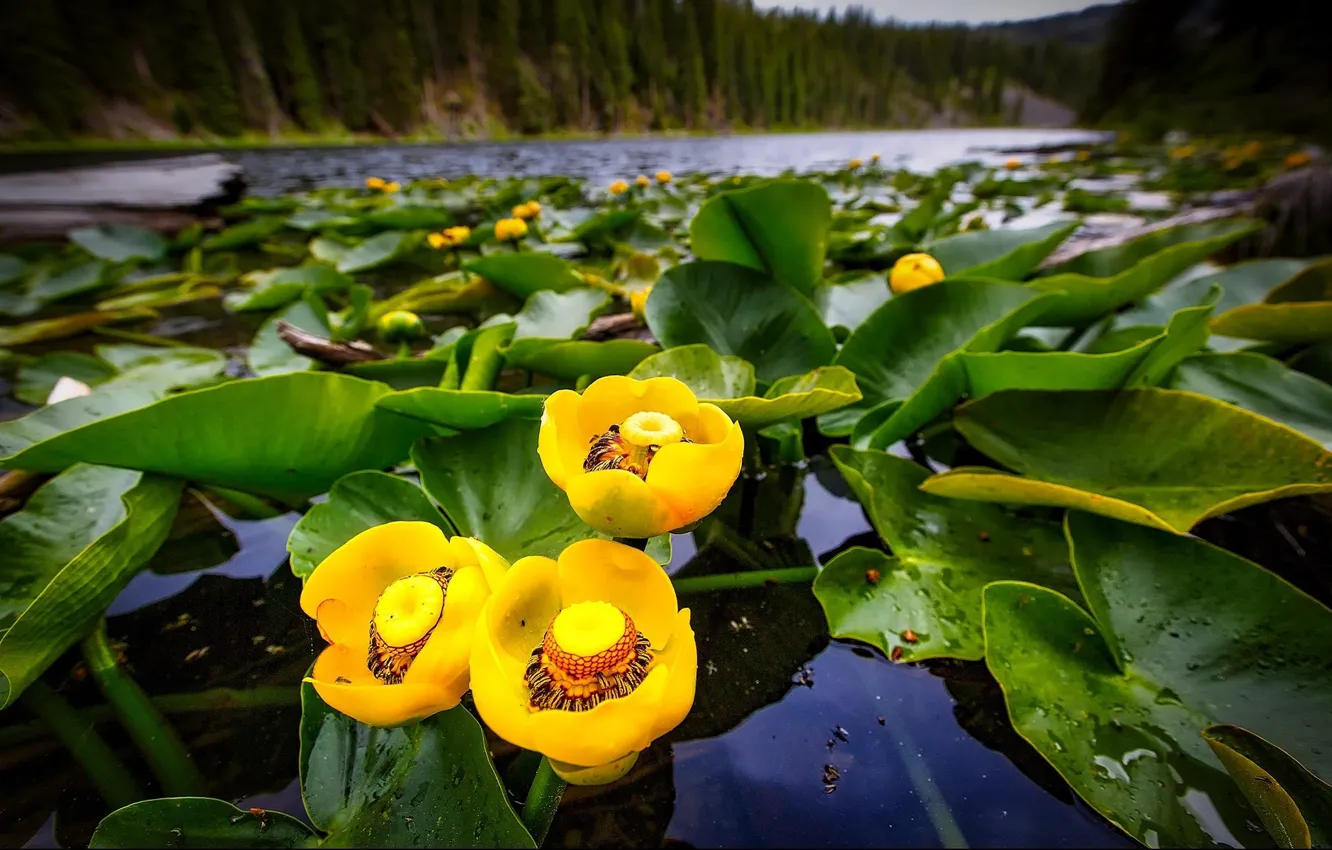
(755, 578)
(639, 543)
(215, 699)
(941, 817)
(543, 798)
(131, 336)
(113, 781)
(252, 506)
(166, 755)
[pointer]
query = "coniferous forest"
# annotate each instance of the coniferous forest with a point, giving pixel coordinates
(474, 69)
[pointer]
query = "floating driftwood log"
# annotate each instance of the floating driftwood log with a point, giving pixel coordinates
(160, 194)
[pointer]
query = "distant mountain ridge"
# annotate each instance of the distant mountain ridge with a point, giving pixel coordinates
(1088, 27)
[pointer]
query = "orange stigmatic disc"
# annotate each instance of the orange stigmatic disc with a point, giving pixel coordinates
(559, 679)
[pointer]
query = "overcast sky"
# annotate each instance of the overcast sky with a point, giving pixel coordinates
(918, 11)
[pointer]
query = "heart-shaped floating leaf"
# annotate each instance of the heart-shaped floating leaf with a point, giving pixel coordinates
(728, 382)
(181, 822)
(279, 287)
(11, 269)
(463, 410)
(286, 436)
(1295, 805)
(430, 783)
(77, 542)
(1123, 453)
(1263, 385)
(847, 305)
(37, 378)
(1297, 311)
(999, 254)
(1242, 283)
(741, 312)
(573, 359)
(491, 486)
(904, 347)
(53, 285)
(270, 354)
(374, 252)
(527, 272)
(358, 500)
(779, 228)
(1181, 635)
(1100, 282)
(242, 235)
(119, 242)
(551, 318)
(925, 600)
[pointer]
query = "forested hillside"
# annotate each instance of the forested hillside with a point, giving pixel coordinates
(475, 68)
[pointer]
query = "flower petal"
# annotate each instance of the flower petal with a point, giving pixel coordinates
(680, 657)
(618, 503)
(359, 570)
(601, 774)
(562, 442)
(520, 609)
(605, 571)
(613, 399)
(372, 701)
(694, 478)
(608, 732)
(498, 690)
(470, 552)
(446, 654)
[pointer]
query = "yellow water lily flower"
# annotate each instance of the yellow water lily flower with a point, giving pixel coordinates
(914, 271)
(874, 159)
(531, 209)
(642, 181)
(391, 187)
(638, 302)
(1298, 159)
(619, 187)
(455, 236)
(585, 660)
(436, 240)
(510, 229)
(854, 164)
(639, 458)
(374, 183)
(1183, 151)
(1083, 156)
(663, 176)
(398, 605)
(1013, 164)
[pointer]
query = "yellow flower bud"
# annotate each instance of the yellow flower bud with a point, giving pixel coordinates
(437, 240)
(619, 187)
(531, 209)
(1083, 156)
(663, 176)
(391, 187)
(455, 236)
(642, 181)
(914, 271)
(398, 605)
(1013, 164)
(874, 159)
(638, 302)
(400, 326)
(586, 659)
(854, 164)
(510, 229)
(374, 183)
(1298, 159)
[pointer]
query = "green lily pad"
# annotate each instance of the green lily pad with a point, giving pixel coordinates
(1116, 699)
(847, 305)
(242, 235)
(408, 217)
(570, 360)
(903, 348)
(796, 397)
(197, 822)
(527, 272)
(35, 380)
(1100, 282)
(999, 254)
(289, 436)
(269, 353)
(710, 375)
(1297, 311)
(559, 315)
(119, 242)
(11, 269)
(357, 501)
(491, 486)
(429, 784)
(279, 287)
(1295, 805)
(1143, 467)
(77, 542)
(740, 312)
(374, 252)
(60, 327)
(779, 228)
(463, 410)
(1263, 385)
(48, 286)
(1242, 283)
(944, 552)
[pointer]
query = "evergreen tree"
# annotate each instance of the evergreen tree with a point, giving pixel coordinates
(302, 87)
(204, 68)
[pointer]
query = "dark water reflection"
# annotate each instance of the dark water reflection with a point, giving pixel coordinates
(929, 759)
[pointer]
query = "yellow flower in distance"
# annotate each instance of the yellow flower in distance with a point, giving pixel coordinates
(531, 209)
(455, 236)
(1298, 159)
(585, 660)
(437, 240)
(400, 326)
(1013, 164)
(374, 183)
(1183, 151)
(619, 187)
(398, 605)
(1084, 155)
(663, 177)
(638, 302)
(642, 181)
(510, 229)
(914, 271)
(391, 187)
(639, 458)
(854, 164)
(874, 159)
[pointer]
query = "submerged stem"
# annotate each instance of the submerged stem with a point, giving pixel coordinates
(165, 754)
(543, 799)
(112, 780)
(752, 578)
